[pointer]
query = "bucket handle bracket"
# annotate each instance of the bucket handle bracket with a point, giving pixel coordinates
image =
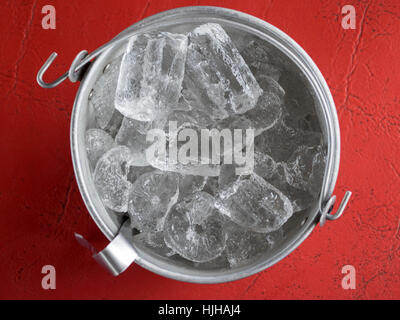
(328, 207)
(74, 73)
(118, 255)
(81, 60)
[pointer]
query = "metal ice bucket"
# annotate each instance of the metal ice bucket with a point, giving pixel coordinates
(120, 253)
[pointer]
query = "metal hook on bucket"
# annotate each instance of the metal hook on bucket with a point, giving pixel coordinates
(325, 211)
(76, 70)
(73, 74)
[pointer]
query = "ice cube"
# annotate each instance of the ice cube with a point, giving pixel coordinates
(114, 124)
(254, 203)
(194, 229)
(102, 97)
(299, 117)
(135, 172)
(110, 178)
(231, 143)
(271, 86)
(276, 174)
(189, 184)
(211, 185)
(264, 166)
(151, 74)
(260, 58)
(154, 241)
(300, 199)
(133, 135)
(198, 169)
(269, 108)
(237, 121)
(281, 141)
(227, 175)
(168, 156)
(97, 143)
(217, 75)
(318, 172)
(305, 168)
(243, 244)
(189, 118)
(150, 198)
(262, 117)
(266, 114)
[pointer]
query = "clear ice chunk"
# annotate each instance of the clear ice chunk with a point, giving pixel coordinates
(217, 75)
(259, 58)
(189, 184)
(305, 168)
(266, 114)
(272, 172)
(281, 141)
(197, 169)
(299, 117)
(271, 86)
(150, 198)
(154, 241)
(300, 199)
(171, 158)
(102, 97)
(276, 174)
(133, 135)
(264, 166)
(97, 143)
(229, 125)
(317, 174)
(262, 117)
(114, 124)
(135, 172)
(189, 118)
(243, 244)
(254, 203)
(151, 74)
(110, 178)
(193, 228)
(227, 176)
(211, 185)
(237, 121)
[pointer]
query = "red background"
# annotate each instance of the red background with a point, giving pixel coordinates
(40, 204)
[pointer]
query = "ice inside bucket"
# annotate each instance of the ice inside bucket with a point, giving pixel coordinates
(296, 85)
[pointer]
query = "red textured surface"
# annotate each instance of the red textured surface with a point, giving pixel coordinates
(41, 208)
